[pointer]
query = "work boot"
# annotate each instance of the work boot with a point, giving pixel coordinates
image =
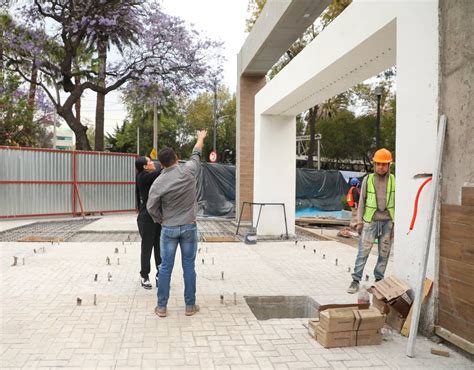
(145, 281)
(160, 311)
(191, 310)
(354, 287)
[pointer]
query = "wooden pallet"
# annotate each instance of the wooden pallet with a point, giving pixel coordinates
(330, 221)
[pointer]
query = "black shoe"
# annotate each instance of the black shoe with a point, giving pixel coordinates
(354, 287)
(145, 282)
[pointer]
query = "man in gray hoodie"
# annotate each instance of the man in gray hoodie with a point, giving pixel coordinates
(172, 203)
(375, 216)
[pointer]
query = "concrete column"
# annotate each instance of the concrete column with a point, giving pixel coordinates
(417, 124)
(275, 172)
(247, 88)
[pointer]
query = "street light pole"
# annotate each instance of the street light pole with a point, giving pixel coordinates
(155, 126)
(214, 137)
(378, 92)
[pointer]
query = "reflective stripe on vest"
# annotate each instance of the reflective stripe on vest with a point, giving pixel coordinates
(371, 199)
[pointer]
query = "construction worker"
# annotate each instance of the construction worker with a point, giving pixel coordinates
(375, 217)
(352, 199)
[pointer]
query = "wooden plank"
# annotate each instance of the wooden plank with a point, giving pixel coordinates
(426, 291)
(462, 328)
(457, 305)
(439, 352)
(218, 239)
(457, 270)
(460, 233)
(457, 214)
(456, 288)
(455, 339)
(457, 251)
(305, 221)
(467, 196)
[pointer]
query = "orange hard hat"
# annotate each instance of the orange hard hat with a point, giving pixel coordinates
(383, 156)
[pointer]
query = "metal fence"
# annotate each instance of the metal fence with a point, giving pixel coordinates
(45, 182)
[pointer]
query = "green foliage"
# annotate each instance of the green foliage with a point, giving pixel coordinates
(345, 136)
(200, 115)
(16, 126)
(178, 123)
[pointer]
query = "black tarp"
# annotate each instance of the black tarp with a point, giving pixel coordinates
(216, 190)
(314, 189)
(320, 189)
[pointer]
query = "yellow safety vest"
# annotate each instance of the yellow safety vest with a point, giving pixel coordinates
(371, 199)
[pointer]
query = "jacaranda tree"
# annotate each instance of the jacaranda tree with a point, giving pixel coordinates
(51, 34)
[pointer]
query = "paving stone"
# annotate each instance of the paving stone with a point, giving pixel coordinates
(43, 326)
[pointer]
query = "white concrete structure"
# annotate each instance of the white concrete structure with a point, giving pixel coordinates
(367, 38)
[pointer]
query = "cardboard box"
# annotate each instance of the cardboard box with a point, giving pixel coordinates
(312, 325)
(380, 305)
(335, 339)
(370, 319)
(395, 320)
(368, 337)
(402, 304)
(359, 306)
(337, 319)
(390, 288)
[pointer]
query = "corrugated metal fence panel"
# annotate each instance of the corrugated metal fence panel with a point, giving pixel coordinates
(29, 165)
(99, 198)
(34, 199)
(106, 168)
(47, 165)
(34, 165)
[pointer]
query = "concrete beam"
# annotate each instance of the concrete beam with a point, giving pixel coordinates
(278, 26)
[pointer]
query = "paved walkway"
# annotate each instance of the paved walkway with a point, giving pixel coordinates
(43, 327)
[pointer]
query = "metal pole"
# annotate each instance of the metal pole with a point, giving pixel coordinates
(426, 250)
(319, 152)
(138, 140)
(155, 127)
(55, 137)
(377, 125)
(214, 138)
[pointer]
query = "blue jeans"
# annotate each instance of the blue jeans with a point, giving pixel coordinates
(186, 237)
(371, 231)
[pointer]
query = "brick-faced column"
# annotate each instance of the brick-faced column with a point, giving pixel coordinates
(247, 88)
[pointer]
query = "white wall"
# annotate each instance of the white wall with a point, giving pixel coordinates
(275, 172)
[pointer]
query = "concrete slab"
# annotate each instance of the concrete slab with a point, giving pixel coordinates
(12, 224)
(43, 327)
(121, 222)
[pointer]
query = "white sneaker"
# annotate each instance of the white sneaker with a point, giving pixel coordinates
(145, 282)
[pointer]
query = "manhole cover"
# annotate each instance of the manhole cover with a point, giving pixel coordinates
(282, 307)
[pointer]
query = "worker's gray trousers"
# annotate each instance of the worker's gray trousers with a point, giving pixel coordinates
(381, 230)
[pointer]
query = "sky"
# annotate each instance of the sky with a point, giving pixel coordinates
(222, 20)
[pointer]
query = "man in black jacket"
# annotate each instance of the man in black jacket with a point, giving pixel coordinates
(149, 230)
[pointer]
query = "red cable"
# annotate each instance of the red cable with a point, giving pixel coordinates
(415, 211)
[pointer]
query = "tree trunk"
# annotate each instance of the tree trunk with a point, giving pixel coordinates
(312, 131)
(82, 143)
(66, 112)
(100, 103)
(77, 105)
(33, 83)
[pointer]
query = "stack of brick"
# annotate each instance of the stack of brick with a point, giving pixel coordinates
(347, 327)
